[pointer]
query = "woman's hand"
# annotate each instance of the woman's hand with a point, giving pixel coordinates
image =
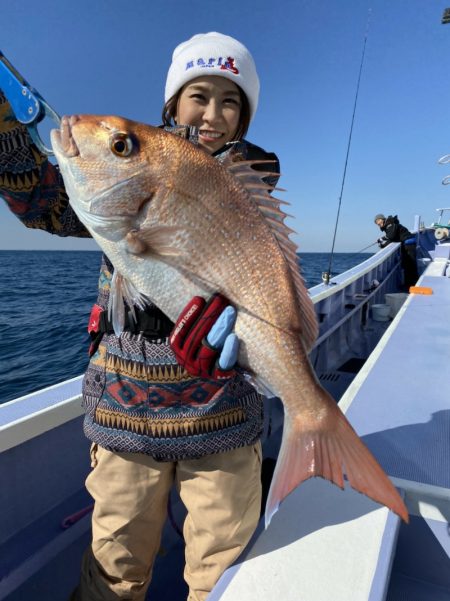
(202, 338)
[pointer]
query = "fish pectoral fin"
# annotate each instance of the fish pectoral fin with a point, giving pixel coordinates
(329, 451)
(158, 240)
(135, 245)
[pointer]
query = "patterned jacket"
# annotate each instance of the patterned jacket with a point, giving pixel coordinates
(136, 397)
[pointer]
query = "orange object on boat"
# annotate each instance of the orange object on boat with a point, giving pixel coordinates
(421, 290)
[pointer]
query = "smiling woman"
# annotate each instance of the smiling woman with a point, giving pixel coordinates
(219, 59)
(213, 105)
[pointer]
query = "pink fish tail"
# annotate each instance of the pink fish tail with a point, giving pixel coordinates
(329, 450)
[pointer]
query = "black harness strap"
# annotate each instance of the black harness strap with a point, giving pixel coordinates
(150, 323)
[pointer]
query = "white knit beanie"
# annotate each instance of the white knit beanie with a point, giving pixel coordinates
(213, 54)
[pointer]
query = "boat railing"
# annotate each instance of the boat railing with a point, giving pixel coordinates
(343, 310)
(36, 413)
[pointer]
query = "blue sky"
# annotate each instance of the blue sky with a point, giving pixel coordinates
(111, 57)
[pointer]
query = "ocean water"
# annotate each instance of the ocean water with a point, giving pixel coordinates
(46, 298)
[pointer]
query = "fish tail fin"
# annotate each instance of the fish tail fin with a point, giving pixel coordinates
(329, 449)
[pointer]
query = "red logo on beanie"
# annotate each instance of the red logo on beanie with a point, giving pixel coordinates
(230, 66)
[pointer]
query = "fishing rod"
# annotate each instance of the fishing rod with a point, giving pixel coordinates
(326, 275)
(348, 258)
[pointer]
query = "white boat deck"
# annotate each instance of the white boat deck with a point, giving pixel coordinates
(399, 404)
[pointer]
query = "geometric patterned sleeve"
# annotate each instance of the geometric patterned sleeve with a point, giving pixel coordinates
(33, 187)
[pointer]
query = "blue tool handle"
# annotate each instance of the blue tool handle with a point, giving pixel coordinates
(23, 99)
(28, 105)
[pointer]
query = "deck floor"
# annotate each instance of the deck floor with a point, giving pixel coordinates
(402, 410)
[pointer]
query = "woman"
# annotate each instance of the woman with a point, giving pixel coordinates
(153, 417)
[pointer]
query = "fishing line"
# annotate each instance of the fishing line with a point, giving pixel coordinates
(356, 253)
(327, 274)
(362, 250)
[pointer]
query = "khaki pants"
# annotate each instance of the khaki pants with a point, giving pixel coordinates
(222, 494)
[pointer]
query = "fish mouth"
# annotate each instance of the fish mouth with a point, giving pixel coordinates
(63, 138)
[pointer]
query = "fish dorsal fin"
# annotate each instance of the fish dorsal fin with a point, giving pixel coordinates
(269, 206)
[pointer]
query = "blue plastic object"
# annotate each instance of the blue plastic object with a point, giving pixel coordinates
(229, 354)
(28, 105)
(221, 337)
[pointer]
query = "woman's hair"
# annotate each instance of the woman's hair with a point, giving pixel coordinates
(170, 109)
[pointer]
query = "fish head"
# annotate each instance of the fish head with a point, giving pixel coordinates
(106, 173)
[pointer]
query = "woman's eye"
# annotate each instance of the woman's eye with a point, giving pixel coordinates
(232, 101)
(122, 145)
(198, 97)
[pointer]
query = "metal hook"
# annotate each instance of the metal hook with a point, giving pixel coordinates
(46, 111)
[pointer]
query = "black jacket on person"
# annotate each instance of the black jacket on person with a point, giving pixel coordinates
(394, 231)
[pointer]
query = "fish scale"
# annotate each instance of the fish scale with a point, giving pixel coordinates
(176, 223)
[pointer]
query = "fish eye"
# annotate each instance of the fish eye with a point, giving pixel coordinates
(121, 144)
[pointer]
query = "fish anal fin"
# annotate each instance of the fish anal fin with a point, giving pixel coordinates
(328, 451)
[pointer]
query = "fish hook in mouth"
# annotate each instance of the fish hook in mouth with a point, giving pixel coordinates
(65, 138)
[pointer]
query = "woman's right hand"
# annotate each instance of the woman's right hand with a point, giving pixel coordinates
(202, 339)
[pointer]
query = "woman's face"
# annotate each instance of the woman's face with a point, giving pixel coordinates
(213, 105)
